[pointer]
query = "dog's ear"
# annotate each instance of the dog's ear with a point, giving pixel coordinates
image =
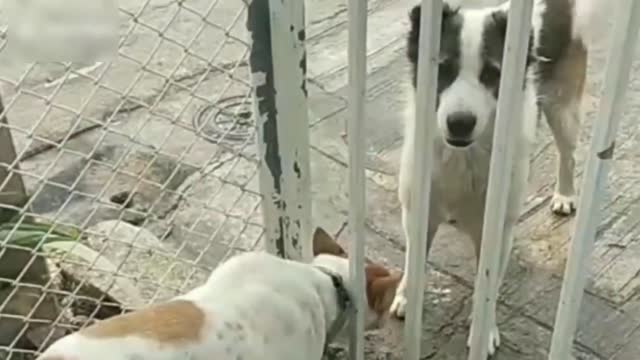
(416, 12)
(414, 17)
(323, 243)
(414, 32)
(381, 287)
(499, 21)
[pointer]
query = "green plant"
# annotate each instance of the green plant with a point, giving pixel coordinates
(32, 235)
(54, 240)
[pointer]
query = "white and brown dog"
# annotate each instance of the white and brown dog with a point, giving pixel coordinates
(470, 61)
(255, 306)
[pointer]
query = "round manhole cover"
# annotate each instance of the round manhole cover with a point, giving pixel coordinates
(229, 121)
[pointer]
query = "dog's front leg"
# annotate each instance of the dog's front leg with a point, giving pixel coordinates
(398, 307)
(505, 254)
(514, 206)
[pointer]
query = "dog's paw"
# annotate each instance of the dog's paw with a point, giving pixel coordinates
(493, 341)
(399, 305)
(563, 205)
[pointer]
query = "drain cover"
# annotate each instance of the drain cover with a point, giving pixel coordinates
(229, 121)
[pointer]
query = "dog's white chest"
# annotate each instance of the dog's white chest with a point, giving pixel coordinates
(462, 173)
(461, 179)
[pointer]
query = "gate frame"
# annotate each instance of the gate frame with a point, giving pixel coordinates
(274, 76)
(620, 57)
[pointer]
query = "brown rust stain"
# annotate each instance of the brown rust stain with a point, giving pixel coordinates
(178, 321)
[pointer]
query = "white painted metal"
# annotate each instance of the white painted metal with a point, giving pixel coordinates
(427, 78)
(357, 13)
(509, 108)
(285, 169)
(289, 69)
(621, 55)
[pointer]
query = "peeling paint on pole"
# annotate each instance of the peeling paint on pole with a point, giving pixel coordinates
(278, 62)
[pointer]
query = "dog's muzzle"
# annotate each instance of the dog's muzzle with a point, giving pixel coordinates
(459, 143)
(460, 126)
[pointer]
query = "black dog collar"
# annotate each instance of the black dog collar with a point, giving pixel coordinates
(346, 307)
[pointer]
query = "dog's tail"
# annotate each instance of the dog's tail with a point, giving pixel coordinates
(593, 21)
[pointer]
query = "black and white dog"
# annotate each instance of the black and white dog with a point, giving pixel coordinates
(469, 75)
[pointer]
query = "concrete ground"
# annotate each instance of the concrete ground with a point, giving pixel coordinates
(134, 135)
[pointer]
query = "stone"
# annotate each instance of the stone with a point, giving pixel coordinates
(138, 269)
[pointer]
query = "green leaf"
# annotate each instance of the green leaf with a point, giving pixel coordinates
(31, 235)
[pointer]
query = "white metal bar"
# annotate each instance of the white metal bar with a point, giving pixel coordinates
(290, 71)
(509, 108)
(621, 55)
(425, 127)
(357, 13)
(278, 67)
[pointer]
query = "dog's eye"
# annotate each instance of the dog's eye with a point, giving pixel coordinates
(490, 75)
(446, 66)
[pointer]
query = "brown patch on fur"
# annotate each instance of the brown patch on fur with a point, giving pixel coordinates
(580, 58)
(381, 287)
(178, 321)
(381, 284)
(569, 76)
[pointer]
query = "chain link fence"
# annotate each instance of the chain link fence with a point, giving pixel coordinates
(125, 182)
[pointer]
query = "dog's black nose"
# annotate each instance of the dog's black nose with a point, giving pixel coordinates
(461, 124)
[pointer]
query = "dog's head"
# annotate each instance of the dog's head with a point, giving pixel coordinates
(381, 284)
(470, 63)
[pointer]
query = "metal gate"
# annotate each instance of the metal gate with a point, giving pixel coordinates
(283, 85)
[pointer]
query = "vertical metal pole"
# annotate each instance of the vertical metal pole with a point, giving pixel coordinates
(426, 81)
(278, 72)
(621, 55)
(12, 190)
(357, 12)
(509, 107)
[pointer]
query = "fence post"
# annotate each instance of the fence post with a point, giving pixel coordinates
(12, 190)
(357, 52)
(621, 56)
(509, 107)
(278, 75)
(427, 77)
